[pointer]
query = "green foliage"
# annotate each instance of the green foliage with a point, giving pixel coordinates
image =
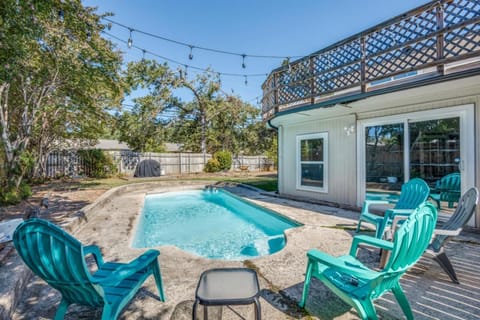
(98, 163)
(58, 79)
(224, 159)
(212, 165)
(12, 195)
(272, 151)
(143, 127)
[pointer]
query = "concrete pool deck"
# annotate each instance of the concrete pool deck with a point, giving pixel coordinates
(281, 275)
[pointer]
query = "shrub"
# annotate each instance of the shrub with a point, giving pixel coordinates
(97, 163)
(212, 165)
(12, 196)
(224, 158)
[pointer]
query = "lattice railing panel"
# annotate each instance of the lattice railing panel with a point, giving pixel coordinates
(294, 82)
(462, 41)
(344, 77)
(342, 55)
(404, 59)
(459, 11)
(268, 99)
(402, 32)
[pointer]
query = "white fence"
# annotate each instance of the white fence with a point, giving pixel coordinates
(69, 163)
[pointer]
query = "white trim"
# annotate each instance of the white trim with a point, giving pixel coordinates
(467, 137)
(299, 138)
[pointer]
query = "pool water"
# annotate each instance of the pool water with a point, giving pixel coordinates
(211, 223)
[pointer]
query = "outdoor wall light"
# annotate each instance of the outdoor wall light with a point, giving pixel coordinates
(350, 129)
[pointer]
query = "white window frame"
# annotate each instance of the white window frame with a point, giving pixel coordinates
(320, 135)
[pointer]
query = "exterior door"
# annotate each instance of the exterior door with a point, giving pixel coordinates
(426, 144)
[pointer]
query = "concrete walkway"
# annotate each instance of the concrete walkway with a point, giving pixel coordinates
(281, 275)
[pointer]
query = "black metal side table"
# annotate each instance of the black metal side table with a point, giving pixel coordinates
(227, 286)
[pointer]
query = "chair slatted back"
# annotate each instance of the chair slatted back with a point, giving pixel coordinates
(56, 257)
(464, 211)
(413, 193)
(411, 239)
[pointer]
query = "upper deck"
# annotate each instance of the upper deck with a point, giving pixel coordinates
(435, 42)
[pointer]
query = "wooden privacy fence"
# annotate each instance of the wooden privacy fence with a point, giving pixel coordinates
(69, 163)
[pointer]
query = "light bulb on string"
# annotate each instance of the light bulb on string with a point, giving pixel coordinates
(246, 80)
(190, 56)
(243, 61)
(143, 54)
(219, 78)
(130, 40)
(186, 71)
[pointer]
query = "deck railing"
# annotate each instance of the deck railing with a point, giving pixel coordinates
(426, 38)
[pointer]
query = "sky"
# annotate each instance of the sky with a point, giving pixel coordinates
(252, 27)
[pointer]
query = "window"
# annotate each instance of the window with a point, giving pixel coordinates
(312, 162)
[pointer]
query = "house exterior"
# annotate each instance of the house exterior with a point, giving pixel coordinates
(400, 100)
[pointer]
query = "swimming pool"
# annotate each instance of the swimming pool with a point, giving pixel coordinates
(210, 223)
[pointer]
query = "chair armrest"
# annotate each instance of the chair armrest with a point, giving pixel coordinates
(399, 212)
(452, 233)
(95, 252)
(356, 270)
(372, 241)
(367, 203)
(129, 269)
(391, 213)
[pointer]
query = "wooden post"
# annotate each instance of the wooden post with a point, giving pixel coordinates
(275, 92)
(312, 79)
(440, 37)
(363, 65)
(180, 163)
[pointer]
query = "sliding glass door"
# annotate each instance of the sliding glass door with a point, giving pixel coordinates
(434, 148)
(384, 160)
(428, 145)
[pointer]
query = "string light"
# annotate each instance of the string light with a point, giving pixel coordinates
(243, 60)
(182, 64)
(246, 80)
(130, 40)
(198, 47)
(190, 56)
(143, 54)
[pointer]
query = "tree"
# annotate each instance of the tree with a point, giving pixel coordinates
(205, 89)
(144, 127)
(59, 76)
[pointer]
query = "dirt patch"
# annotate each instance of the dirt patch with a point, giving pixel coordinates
(61, 203)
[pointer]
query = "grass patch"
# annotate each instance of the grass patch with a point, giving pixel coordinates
(267, 183)
(264, 182)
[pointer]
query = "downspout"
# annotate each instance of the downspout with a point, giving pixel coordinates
(278, 153)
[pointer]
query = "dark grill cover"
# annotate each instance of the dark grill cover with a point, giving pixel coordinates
(147, 168)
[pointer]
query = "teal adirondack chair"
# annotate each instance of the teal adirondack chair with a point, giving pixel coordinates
(447, 189)
(59, 259)
(358, 285)
(413, 193)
